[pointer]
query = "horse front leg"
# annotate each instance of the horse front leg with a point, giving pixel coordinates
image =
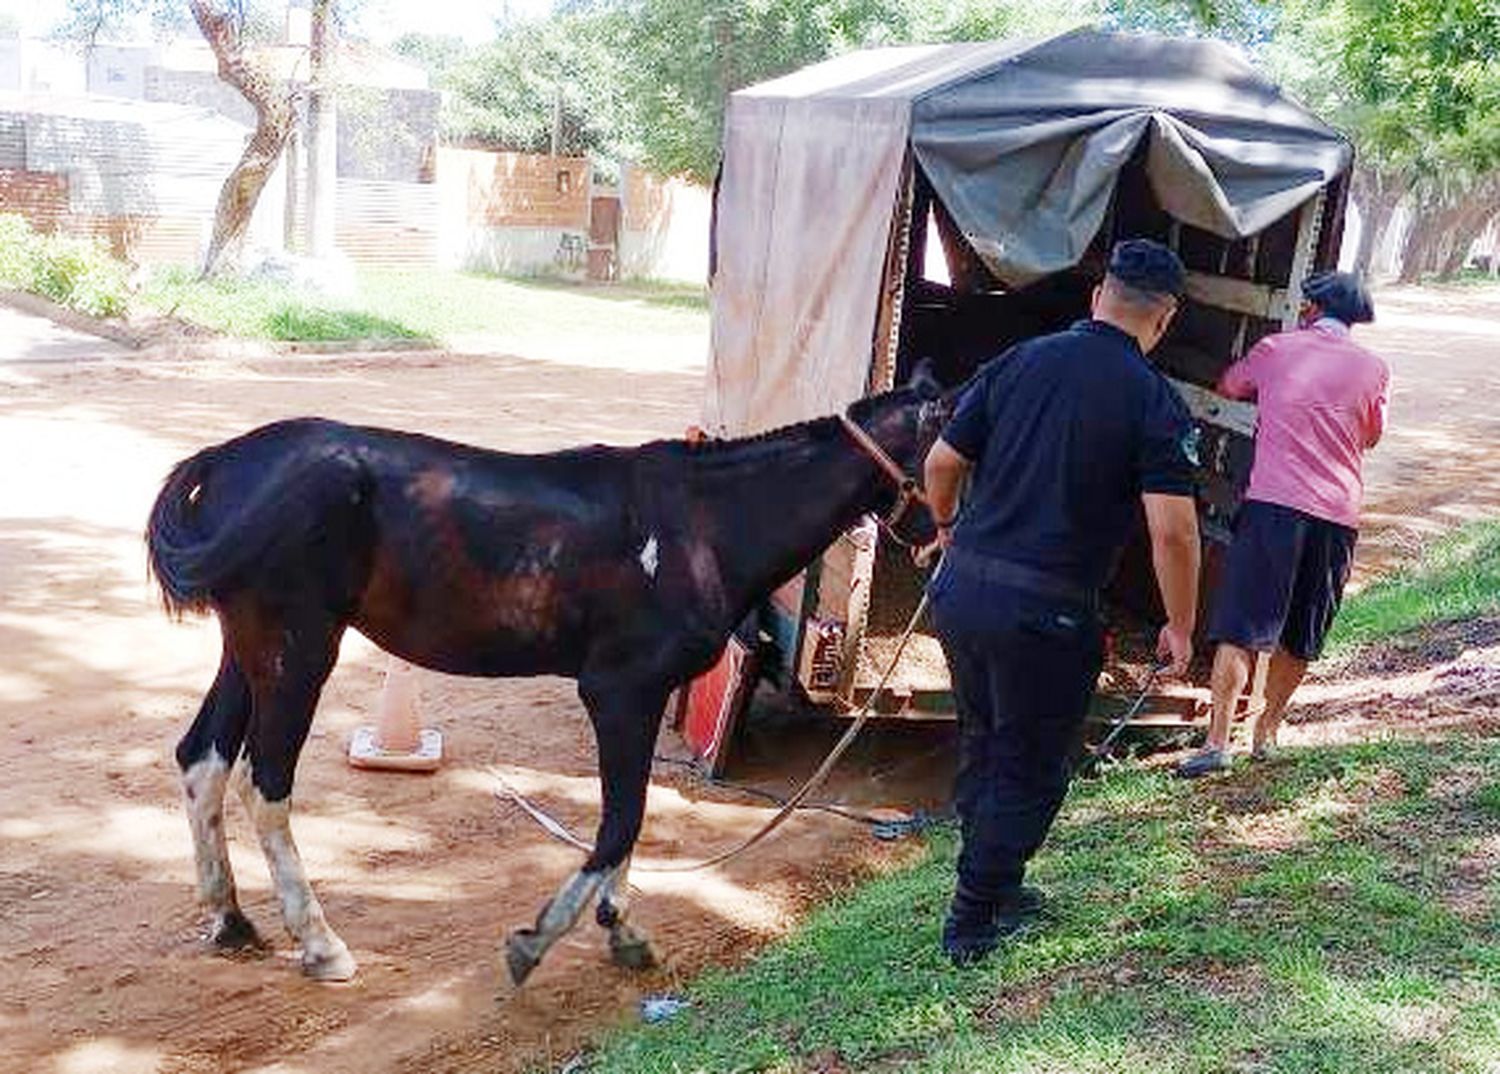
(627, 946)
(625, 725)
(204, 755)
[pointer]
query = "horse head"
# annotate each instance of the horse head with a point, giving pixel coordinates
(903, 424)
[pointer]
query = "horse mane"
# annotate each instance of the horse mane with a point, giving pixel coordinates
(757, 448)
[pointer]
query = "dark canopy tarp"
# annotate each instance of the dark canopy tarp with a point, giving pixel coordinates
(1022, 142)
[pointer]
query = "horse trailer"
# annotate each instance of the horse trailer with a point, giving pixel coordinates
(944, 202)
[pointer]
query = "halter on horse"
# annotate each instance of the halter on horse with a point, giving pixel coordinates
(625, 569)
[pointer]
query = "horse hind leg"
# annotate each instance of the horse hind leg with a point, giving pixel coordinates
(285, 689)
(204, 756)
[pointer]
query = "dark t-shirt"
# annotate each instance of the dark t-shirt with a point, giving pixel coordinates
(1066, 431)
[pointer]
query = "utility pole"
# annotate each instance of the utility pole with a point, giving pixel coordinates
(322, 153)
(557, 122)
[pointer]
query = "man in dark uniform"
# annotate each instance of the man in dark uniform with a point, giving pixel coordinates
(1062, 437)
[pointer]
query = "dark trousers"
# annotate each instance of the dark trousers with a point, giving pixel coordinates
(1024, 666)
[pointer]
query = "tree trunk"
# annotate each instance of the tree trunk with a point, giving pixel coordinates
(1378, 193)
(1427, 231)
(1441, 235)
(1474, 213)
(273, 121)
(322, 135)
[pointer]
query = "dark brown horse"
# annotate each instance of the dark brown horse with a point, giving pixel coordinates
(625, 569)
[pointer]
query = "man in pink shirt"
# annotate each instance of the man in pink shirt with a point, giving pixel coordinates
(1322, 402)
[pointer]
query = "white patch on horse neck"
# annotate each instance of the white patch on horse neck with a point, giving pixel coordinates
(649, 557)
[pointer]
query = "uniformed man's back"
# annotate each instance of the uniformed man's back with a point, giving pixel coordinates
(1066, 431)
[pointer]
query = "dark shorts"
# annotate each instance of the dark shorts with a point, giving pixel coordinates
(1282, 581)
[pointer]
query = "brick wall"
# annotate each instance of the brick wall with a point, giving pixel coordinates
(41, 197)
(519, 189)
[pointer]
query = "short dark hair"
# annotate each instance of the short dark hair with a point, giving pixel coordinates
(1340, 295)
(1148, 268)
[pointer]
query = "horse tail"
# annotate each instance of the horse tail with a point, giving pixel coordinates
(232, 507)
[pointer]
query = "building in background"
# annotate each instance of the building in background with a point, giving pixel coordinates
(132, 142)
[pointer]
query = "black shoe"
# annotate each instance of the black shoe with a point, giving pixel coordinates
(974, 928)
(966, 942)
(1027, 902)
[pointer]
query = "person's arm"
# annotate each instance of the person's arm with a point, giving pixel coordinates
(1173, 524)
(943, 476)
(1376, 414)
(1239, 380)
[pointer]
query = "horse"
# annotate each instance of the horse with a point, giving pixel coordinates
(625, 569)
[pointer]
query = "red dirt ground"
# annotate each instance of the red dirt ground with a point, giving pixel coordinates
(102, 963)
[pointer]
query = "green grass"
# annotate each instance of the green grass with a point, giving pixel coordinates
(1457, 577)
(446, 304)
(1300, 919)
(429, 305)
(257, 309)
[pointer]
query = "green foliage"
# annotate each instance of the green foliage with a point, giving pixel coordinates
(649, 79)
(1457, 578)
(507, 93)
(19, 247)
(436, 53)
(1189, 931)
(73, 272)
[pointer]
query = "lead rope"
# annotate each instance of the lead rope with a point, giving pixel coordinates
(1099, 752)
(506, 791)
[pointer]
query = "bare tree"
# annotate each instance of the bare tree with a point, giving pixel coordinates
(275, 112)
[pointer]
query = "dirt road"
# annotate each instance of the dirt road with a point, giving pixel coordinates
(102, 966)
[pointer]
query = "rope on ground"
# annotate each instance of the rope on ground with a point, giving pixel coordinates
(506, 791)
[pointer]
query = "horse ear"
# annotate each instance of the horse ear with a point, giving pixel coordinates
(924, 380)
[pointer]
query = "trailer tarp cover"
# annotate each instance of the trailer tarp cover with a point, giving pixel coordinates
(1022, 142)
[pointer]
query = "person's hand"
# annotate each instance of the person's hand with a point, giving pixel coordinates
(1174, 647)
(930, 552)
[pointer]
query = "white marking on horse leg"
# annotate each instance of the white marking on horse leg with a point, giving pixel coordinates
(627, 946)
(525, 947)
(649, 558)
(614, 897)
(324, 956)
(203, 785)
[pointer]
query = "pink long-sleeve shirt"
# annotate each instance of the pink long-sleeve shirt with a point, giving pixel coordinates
(1322, 402)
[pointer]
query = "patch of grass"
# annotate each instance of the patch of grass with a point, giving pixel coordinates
(74, 272)
(432, 305)
(445, 304)
(1178, 940)
(261, 309)
(1457, 577)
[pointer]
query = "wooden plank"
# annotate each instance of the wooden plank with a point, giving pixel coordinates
(1214, 408)
(1236, 296)
(1308, 226)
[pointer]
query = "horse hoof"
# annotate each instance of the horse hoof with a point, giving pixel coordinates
(334, 964)
(521, 956)
(234, 932)
(631, 951)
